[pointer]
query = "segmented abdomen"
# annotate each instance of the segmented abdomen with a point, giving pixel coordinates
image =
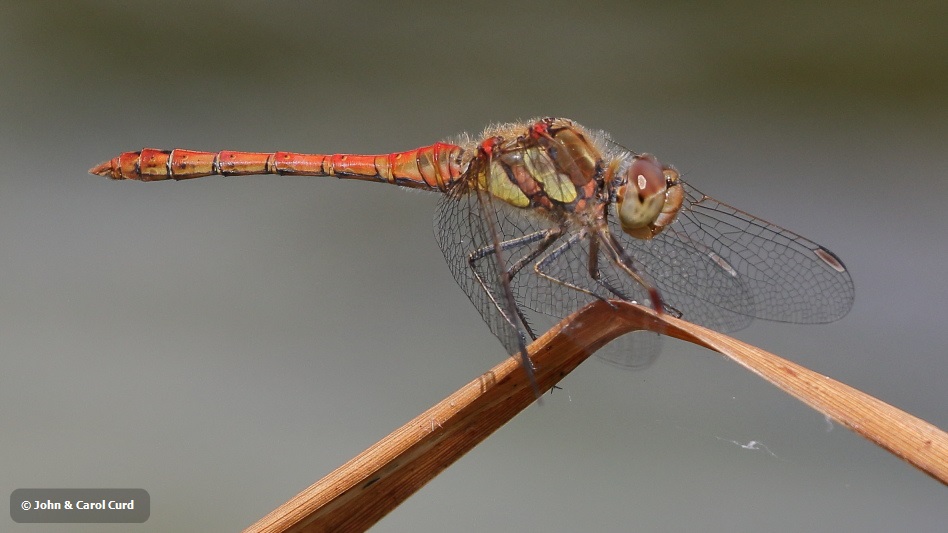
(432, 167)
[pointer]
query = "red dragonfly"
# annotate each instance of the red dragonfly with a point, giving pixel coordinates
(540, 218)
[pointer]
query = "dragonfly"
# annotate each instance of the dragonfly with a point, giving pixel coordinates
(541, 217)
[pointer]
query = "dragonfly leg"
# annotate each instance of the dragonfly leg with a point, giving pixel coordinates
(596, 274)
(624, 262)
(548, 236)
(552, 256)
(508, 305)
(545, 239)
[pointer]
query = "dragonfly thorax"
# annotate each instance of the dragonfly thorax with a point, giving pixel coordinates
(648, 194)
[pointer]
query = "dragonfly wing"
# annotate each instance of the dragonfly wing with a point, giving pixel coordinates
(791, 278)
(461, 233)
(692, 281)
(637, 350)
(742, 267)
(481, 236)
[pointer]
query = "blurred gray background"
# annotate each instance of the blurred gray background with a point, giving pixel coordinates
(225, 342)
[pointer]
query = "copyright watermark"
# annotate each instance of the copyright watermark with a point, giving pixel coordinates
(80, 505)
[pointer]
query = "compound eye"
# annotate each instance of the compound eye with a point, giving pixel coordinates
(641, 196)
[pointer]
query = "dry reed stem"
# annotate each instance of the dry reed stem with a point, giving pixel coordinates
(359, 493)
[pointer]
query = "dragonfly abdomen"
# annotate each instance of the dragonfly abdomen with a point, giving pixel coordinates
(432, 167)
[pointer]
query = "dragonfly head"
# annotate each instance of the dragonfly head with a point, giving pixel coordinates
(648, 195)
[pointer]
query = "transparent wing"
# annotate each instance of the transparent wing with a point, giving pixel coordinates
(482, 237)
(689, 280)
(463, 232)
(741, 267)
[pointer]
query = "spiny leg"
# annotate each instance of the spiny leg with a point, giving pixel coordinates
(548, 237)
(592, 267)
(545, 238)
(552, 256)
(509, 303)
(624, 262)
(596, 275)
